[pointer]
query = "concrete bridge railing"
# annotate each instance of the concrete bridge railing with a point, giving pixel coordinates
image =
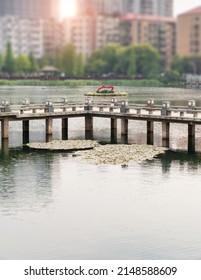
(149, 112)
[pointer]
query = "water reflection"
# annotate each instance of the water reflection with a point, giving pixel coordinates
(25, 179)
(78, 210)
(191, 160)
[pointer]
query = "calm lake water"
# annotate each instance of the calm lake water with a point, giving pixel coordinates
(53, 206)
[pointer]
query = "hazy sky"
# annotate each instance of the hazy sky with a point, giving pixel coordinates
(184, 5)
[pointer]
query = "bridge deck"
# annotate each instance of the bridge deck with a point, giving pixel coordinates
(155, 113)
(177, 114)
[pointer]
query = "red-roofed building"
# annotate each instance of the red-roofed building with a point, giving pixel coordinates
(160, 32)
(189, 33)
(194, 11)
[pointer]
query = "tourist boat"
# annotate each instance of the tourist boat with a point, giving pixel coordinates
(106, 91)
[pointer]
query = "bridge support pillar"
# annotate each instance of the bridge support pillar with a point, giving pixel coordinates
(25, 131)
(113, 130)
(150, 132)
(5, 147)
(124, 131)
(165, 130)
(88, 127)
(49, 123)
(48, 138)
(165, 134)
(5, 128)
(191, 137)
(124, 126)
(64, 124)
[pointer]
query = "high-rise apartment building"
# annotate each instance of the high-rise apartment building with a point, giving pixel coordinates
(100, 6)
(25, 35)
(160, 32)
(80, 31)
(53, 35)
(146, 7)
(30, 26)
(189, 33)
(38, 36)
(107, 30)
(37, 9)
(132, 6)
(149, 7)
(89, 33)
(164, 8)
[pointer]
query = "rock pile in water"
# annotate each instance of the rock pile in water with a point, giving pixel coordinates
(93, 152)
(120, 154)
(64, 145)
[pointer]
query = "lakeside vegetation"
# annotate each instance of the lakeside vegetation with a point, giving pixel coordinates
(133, 65)
(78, 83)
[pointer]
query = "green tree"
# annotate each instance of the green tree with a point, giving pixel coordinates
(126, 61)
(69, 57)
(58, 58)
(9, 61)
(103, 61)
(170, 77)
(110, 55)
(46, 60)
(79, 65)
(182, 64)
(187, 65)
(177, 64)
(147, 61)
(33, 64)
(22, 64)
(95, 65)
(143, 60)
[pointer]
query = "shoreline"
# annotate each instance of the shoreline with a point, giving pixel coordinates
(79, 82)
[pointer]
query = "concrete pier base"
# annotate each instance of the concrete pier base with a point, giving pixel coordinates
(150, 132)
(64, 125)
(5, 128)
(25, 131)
(166, 143)
(113, 130)
(5, 147)
(165, 130)
(124, 131)
(49, 138)
(191, 137)
(49, 123)
(88, 127)
(150, 138)
(165, 134)
(124, 126)
(124, 139)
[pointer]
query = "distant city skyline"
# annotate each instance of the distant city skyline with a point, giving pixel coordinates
(181, 6)
(146, 7)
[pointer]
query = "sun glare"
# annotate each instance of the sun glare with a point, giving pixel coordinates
(68, 8)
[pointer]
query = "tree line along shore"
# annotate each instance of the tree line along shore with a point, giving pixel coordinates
(138, 63)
